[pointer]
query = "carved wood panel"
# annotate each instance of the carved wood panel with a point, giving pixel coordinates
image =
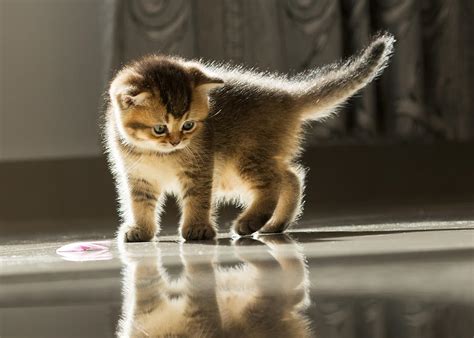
(423, 95)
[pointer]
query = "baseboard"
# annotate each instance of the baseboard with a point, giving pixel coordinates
(338, 176)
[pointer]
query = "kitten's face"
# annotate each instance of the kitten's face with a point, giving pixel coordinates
(161, 106)
(150, 126)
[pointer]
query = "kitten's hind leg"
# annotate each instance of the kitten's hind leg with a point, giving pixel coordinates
(263, 179)
(289, 202)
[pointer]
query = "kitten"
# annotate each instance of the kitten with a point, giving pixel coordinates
(206, 132)
(209, 300)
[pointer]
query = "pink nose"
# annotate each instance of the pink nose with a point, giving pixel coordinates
(174, 142)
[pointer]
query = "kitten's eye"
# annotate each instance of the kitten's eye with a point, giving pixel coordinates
(159, 129)
(188, 125)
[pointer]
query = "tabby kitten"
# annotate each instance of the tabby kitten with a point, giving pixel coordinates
(206, 132)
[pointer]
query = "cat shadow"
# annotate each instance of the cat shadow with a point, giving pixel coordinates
(260, 290)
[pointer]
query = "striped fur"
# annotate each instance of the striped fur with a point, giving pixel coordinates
(243, 145)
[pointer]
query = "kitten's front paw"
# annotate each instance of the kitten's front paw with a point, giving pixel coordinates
(137, 234)
(248, 224)
(198, 232)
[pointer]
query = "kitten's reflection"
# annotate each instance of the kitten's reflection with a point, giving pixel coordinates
(265, 296)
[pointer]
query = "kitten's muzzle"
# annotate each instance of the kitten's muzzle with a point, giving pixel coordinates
(174, 142)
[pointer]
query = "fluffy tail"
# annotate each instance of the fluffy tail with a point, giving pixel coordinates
(326, 89)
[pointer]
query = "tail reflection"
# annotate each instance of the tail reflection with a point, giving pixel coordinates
(264, 296)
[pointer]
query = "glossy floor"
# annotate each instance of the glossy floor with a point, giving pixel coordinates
(391, 280)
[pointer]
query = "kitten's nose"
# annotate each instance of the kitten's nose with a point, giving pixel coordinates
(174, 142)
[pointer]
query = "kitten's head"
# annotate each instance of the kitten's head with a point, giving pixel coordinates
(160, 103)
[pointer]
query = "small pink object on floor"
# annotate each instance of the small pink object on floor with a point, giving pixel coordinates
(85, 251)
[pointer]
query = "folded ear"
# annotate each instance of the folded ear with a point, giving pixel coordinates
(130, 98)
(205, 81)
(127, 96)
(124, 93)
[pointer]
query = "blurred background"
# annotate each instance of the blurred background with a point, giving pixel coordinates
(403, 148)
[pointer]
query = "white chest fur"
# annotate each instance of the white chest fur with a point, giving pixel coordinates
(159, 171)
(162, 172)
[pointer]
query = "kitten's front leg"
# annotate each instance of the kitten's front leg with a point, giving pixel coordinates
(196, 195)
(141, 216)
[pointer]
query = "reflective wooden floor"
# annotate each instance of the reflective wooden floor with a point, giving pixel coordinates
(401, 279)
